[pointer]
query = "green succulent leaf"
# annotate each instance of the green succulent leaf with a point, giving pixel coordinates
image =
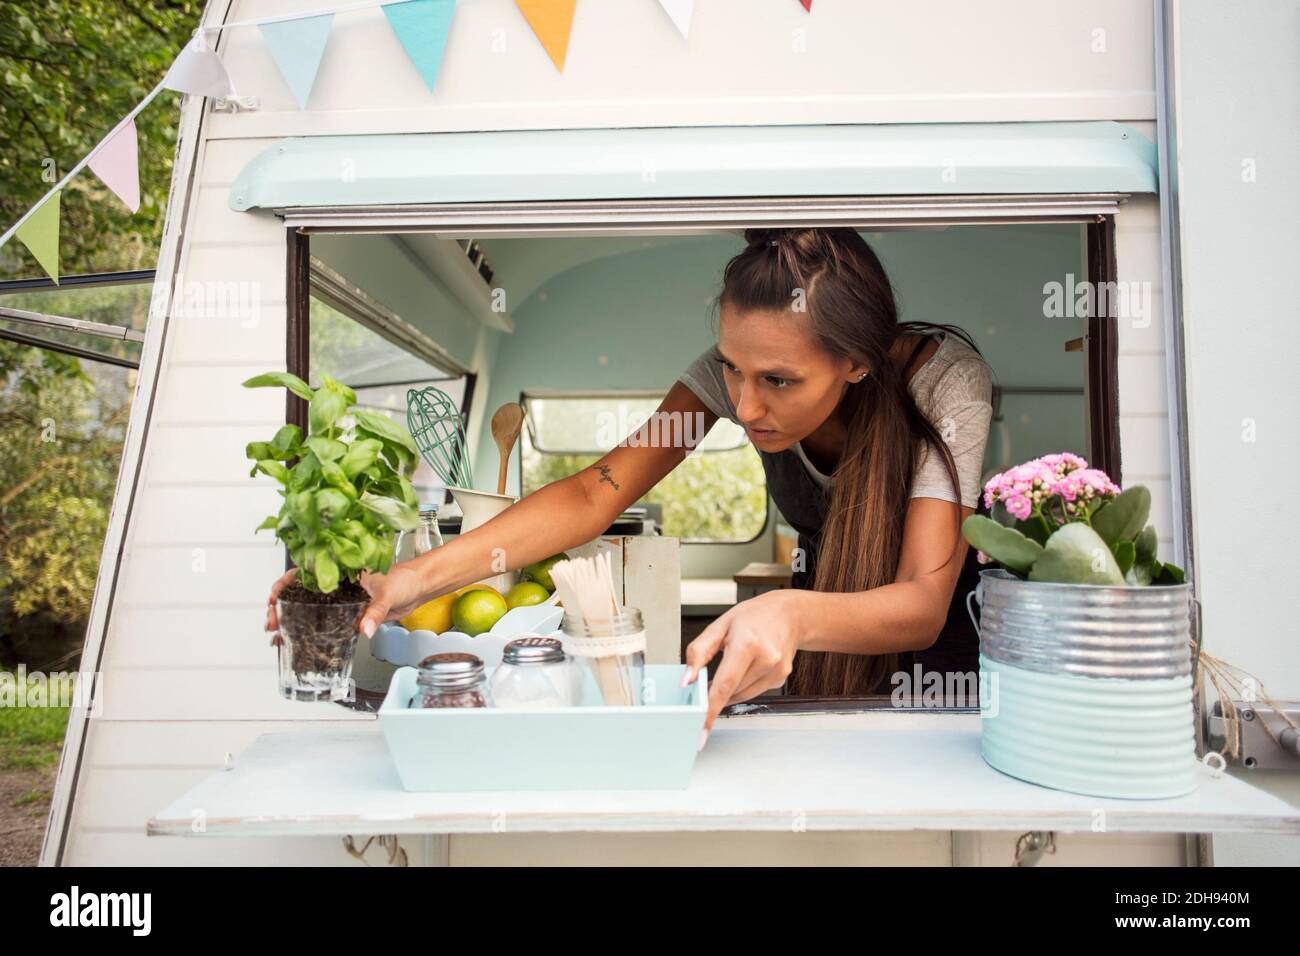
(1075, 554)
(1125, 555)
(1146, 544)
(1170, 574)
(283, 380)
(1123, 518)
(1005, 545)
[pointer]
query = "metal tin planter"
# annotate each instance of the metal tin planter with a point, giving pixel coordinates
(1087, 688)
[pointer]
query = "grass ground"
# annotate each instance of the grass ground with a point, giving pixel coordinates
(30, 741)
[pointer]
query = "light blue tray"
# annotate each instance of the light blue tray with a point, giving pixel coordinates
(651, 747)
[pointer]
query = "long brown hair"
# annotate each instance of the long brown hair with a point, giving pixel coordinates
(849, 301)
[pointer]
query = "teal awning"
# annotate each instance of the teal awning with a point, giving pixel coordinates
(698, 162)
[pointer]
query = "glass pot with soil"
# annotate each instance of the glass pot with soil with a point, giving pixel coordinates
(318, 635)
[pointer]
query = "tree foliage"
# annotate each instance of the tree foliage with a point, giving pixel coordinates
(71, 70)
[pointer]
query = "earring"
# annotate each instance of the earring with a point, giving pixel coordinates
(860, 377)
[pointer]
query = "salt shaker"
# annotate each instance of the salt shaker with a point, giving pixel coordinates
(451, 680)
(534, 672)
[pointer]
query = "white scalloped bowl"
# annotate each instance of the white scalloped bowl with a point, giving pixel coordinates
(396, 645)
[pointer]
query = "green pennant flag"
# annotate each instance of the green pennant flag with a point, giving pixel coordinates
(40, 234)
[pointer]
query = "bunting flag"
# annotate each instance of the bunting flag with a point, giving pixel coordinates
(117, 164)
(297, 47)
(807, 5)
(40, 234)
(422, 27)
(680, 11)
(197, 71)
(551, 20)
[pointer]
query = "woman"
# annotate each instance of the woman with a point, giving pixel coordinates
(872, 436)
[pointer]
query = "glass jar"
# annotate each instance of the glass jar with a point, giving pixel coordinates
(535, 672)
(421, 539)
(451, 680)
(612, 652)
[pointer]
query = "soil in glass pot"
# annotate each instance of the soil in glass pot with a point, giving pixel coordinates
(318, 635)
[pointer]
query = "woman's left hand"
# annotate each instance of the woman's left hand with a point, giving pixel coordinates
(758, 638)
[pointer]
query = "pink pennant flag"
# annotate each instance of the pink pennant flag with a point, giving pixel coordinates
(807, 5)
(117, 163)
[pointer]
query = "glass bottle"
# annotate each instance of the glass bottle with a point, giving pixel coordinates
(421, 539)
(451, 680)
(612, 652)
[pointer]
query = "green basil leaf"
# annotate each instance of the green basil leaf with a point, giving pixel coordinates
(326, 408)
(283, 379)
(327, 572)
(326, 449)
(305, 474)
(287, 440)
(381, 426)
(332, 503)
(339, 389)
(394, 513)
(258, 450)
(275, 469)
(361, 454)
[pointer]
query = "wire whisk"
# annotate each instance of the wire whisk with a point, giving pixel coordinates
(439, 432)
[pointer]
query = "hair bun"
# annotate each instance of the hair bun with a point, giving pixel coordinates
(758, 238)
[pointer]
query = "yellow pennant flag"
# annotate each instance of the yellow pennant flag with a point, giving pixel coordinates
(40, 234)
(551, 20)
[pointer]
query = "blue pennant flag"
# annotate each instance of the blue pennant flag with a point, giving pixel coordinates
(422, 27)
(297, 47)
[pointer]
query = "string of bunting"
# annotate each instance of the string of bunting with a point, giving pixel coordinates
(297, 44)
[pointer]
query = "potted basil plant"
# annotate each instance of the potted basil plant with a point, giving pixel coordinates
(347, 493)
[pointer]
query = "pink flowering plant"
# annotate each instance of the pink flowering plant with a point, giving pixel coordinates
(1056, 519)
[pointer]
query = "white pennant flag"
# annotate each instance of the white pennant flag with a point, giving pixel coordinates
(680, 11)
(198, 71)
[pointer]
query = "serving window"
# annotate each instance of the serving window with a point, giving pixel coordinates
(603, 305)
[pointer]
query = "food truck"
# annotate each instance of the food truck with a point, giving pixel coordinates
(548, 225)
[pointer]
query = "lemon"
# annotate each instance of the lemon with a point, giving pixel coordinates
(477, 610)
(541, 571)
(525, 593)
(433, 615)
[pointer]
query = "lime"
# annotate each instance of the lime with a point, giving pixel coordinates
(476, 611)
(477, 587)
(541, 571)
(433, 615)
(525, 593)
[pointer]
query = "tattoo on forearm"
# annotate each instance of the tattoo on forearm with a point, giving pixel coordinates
(604, 475)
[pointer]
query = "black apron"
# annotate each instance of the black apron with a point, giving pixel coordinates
(803, 502)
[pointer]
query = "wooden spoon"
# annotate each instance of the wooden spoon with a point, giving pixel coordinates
(506, 423)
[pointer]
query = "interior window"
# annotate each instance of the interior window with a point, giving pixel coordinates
(718, 494)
